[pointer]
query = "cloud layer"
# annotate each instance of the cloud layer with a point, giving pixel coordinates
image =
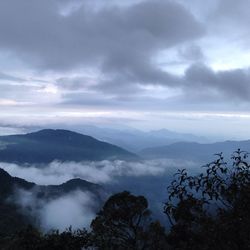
(73, 209)
(98, 172)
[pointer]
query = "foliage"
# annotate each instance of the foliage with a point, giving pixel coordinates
(210, 210)
(31, 239)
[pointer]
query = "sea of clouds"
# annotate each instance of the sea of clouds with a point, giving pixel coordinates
(76, 208)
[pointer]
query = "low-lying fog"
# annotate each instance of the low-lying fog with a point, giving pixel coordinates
(73, 209)
(97, 172)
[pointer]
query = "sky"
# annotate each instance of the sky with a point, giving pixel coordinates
(181, 65)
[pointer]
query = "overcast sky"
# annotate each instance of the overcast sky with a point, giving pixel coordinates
(182, 65)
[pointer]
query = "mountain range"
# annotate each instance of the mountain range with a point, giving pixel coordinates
(128, 138)
(135, 140)
(47, 145)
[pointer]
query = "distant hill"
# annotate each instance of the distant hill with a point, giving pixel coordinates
(12, 219)
(47, 145)
(135, 140)
(195, 151)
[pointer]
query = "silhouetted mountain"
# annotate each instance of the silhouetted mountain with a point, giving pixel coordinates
(47, 145)
(195, 151)
(12, 217)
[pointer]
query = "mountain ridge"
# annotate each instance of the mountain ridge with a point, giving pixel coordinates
(47, 145)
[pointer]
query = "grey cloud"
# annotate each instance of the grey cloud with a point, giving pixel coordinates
(128, 81)
(110, 38)
(11, 78)
(234, 11)
(16, 92)
(231, 20)
(191, 53)
(199, 82)
(119, 42)
(87, 99)
(22, 93)
(200, 75)
(139, 71)
(137, 100)
(76, 83)
(227, 84)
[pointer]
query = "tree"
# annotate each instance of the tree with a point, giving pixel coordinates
(27, 239)
(125, 223)
(66, 240)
